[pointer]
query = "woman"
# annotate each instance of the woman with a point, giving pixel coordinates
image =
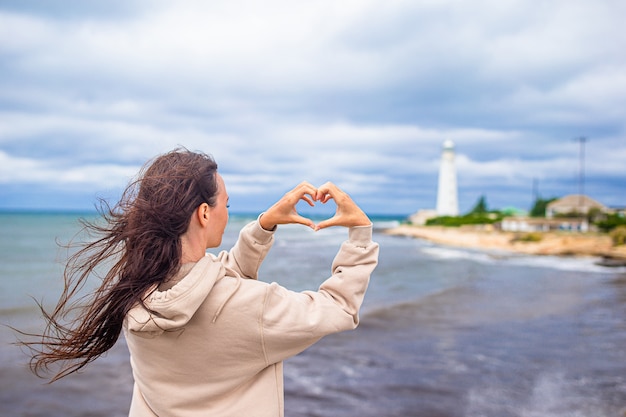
(205, 337)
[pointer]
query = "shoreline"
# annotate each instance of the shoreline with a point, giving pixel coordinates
(551, 243)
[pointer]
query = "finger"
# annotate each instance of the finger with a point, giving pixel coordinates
(333, 221)
(307, 184)
(324, 190)
(308, 200)
(329, 191)
(303, 220)
(324, 198)
(303, 189)
(306, 188)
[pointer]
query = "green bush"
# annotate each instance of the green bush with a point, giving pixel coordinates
(611, 222)
(618, 235)
(528, 237)
(471, 218)
(539, 208)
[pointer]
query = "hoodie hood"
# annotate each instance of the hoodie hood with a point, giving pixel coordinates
(173, 308)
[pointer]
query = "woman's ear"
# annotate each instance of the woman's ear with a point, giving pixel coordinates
(204, 214)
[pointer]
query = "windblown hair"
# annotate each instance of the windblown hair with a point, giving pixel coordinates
(140, 239)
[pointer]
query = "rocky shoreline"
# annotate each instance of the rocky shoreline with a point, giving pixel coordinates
(545, 243)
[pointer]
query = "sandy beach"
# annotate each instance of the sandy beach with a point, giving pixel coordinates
(551, 243)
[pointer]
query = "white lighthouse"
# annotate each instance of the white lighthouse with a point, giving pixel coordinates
(447, 201)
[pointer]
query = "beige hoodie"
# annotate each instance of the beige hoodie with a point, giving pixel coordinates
(213, 343)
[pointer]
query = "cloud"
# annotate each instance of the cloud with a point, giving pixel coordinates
(359, 92)
(33, 171)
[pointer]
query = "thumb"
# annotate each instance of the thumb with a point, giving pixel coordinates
(303, 220)
(333, 221)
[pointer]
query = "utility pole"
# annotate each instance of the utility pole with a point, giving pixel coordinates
(581, 172)
(535, 198)
(581, 183)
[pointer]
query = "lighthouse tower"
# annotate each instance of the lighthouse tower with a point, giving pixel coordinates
(447, 201)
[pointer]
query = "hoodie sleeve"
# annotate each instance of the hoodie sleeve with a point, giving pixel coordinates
(249, 251)
(293, 321)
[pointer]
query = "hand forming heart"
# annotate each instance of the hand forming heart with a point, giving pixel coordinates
(347, 214)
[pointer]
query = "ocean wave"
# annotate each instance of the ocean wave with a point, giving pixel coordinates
(562, 263)
(589, 264)
(385, 224)
(440, 252)
(554, 394)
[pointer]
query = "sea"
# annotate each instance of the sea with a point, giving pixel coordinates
(444, 331)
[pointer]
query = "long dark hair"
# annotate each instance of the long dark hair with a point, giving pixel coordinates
(138, 244)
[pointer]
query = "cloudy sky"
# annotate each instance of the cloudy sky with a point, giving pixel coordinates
(359, 92)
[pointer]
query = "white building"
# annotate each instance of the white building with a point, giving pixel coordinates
(447, 200)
